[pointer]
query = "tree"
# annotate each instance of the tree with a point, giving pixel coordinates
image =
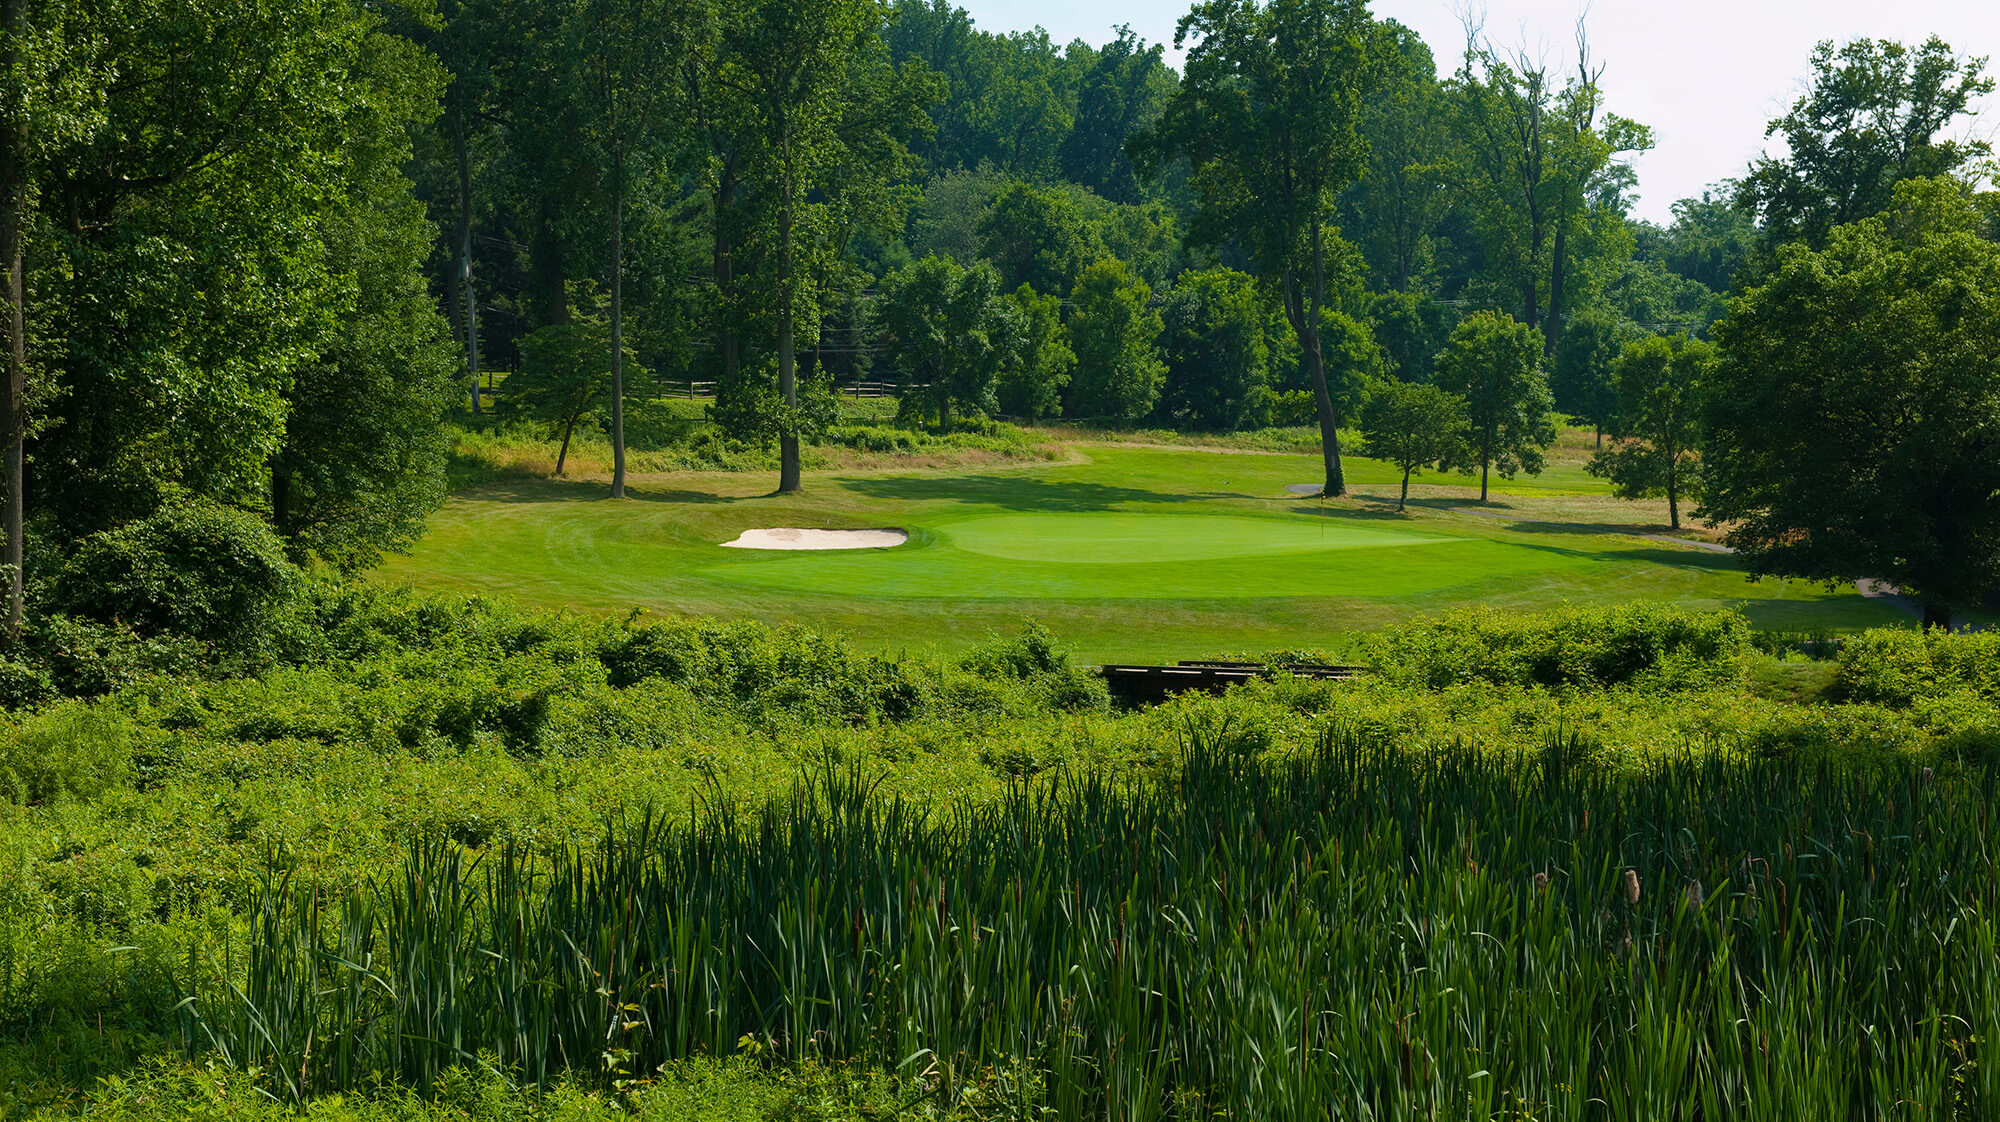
(948, 331)
(565, 373)
(1413, 427)
(362, 464)
(1852, 426)
(1869, 121)
(1659, 383)
(806, 106)
(624, 55)
(1582, 382)
(1036, 368)
(1266, 116)
(1036, 237)
(1536, 163)
(1494, 363)
(1409, 327)
(45, 104)
(1114, 334)
(1218, 363)
(1405, 189)
(1122, 91)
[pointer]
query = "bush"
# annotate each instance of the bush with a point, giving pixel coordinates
(72, 750)
(1899, 665)
(197, 569)
(1654, 645)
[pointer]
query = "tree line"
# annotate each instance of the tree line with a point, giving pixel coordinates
(257, 258)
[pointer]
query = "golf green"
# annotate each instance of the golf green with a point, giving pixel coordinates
(1129, 552)
(1122, 539)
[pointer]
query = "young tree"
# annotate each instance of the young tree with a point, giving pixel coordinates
(1114, 334)
(1266, 116)
(1582, 382)
(1850, 428)
(1659, 383)
(1494, 363)
(1036, 366)
(564, 374)
(1413, 427)
(1870, 120)
(948, 330)
(1218, 363)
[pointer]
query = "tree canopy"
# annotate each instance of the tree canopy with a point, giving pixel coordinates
(1852, 423)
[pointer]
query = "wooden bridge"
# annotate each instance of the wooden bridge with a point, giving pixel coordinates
(1142, 685)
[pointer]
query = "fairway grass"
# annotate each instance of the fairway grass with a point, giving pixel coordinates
(1130, 552)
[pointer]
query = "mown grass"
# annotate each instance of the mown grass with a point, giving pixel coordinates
(559, 544)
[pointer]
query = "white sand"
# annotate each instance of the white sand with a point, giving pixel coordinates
(784, 537)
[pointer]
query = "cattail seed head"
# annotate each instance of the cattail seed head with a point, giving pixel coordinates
(1631, 887)
(1694, 895)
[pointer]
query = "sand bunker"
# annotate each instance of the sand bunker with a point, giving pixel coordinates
(785, 537)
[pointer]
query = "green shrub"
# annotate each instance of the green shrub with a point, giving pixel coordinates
(1897, 665)
(72, 750)
(197, 569)
(1655, 645)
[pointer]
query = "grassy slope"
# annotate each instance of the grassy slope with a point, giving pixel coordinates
(1239, 564)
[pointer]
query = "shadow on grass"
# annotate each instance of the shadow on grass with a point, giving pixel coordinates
(585, 490)
(1018, 493)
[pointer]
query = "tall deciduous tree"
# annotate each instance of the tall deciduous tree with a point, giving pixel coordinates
(795, 70)
(1870, 120)
(46, 103)
(1036, 236)
(1413, 427)
(1495, 363)
(1115, 333)
(1659, 382)
(1534, 159)
(626, 57)
(1266, 115)
(1854, 428)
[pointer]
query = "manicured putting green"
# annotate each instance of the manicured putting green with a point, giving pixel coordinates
(1126, 538)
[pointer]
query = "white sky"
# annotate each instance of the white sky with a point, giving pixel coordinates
(1706, 75)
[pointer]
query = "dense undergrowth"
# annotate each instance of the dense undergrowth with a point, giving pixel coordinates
(153, 793)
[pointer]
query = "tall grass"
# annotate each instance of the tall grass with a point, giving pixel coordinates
(1357, 932)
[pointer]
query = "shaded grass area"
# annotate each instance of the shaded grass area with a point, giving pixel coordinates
(1181, 560)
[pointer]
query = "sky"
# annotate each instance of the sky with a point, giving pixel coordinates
(1706, 75)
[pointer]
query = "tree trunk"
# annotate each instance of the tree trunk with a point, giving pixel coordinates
(562, 454)
(725, 277)
(617, 342)
(13, 258)
(788, 374)
(1936, 615)
(1306, 324)
(1673, 491)
(465, 249)
(1553, 333)
(1403, 502)
(1485, 466)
